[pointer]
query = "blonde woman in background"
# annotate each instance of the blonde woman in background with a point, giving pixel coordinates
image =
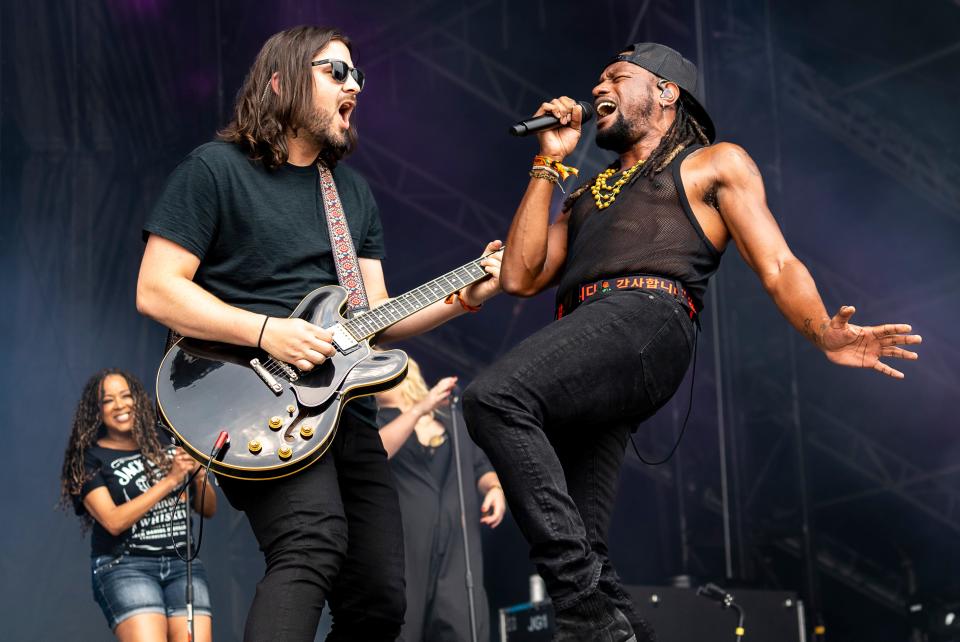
(415, 424)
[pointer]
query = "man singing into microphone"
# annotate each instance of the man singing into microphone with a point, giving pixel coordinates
(631, 254)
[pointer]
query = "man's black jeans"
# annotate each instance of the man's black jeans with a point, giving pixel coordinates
(331, 533)
(554, 415)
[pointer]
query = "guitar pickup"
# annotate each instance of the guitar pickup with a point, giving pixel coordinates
(268, 379)
(343, 340)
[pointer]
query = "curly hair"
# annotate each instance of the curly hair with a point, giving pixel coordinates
(262, 119)
(88, 427)
(683, 132)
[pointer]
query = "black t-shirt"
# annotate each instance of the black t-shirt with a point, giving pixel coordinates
(438, 459)
(261, 236)
(125, 475)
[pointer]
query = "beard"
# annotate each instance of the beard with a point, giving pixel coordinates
(622, 134)
(617, 137)
(333, 143)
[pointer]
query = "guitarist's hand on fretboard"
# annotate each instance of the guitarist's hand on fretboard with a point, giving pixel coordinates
(479, 292)
(297, 342)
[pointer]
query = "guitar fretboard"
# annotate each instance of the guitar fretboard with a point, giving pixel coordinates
(382, 317)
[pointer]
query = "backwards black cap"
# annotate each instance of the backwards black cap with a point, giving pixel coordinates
(667, 63)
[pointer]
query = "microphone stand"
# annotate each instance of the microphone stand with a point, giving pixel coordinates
(454, 403)
(189, 553)
(222, 440)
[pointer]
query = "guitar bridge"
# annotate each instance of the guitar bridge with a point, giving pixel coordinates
(288, 372)
(268, 379)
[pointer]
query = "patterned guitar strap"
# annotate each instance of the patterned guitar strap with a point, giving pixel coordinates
(341, 243)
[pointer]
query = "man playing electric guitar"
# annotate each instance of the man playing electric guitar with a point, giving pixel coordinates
(236, 239)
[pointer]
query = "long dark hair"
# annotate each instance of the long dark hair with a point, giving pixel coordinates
(88, 426)
(262, 118)
(683, 132)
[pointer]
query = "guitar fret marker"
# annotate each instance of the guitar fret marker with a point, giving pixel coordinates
(373, 321)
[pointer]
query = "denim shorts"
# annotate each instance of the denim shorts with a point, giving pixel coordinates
(128, 585)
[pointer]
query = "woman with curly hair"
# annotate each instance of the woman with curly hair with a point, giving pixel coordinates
(122, 478)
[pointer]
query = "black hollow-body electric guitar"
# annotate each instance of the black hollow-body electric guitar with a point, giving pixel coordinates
(281, 420)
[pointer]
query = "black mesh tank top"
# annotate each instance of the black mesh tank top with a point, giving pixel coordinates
(649, 229)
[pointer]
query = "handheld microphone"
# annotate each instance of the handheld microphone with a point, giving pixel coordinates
(548, 121)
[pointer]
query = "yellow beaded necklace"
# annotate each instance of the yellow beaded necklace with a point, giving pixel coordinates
(605, 194)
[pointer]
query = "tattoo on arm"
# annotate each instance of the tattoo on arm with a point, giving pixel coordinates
(808, 329)
(816, 336)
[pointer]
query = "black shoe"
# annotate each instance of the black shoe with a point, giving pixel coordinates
(611, 626)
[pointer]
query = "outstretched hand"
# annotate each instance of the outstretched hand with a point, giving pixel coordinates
(438, 396)
(858, 346)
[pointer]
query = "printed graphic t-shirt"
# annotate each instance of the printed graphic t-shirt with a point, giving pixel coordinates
(125, 475)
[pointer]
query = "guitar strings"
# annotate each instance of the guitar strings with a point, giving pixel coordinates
(421, 296)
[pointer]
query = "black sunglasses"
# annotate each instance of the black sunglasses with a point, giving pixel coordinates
(340, 69)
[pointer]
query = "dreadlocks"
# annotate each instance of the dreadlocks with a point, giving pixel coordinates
(88, 426)
(683, 132)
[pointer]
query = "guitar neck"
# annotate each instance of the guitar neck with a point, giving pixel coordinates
(382, 317)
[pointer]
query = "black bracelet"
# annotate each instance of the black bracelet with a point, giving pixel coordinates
(262, 328)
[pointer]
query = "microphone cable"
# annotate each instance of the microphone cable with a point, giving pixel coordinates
(693, 378)
(222, 439)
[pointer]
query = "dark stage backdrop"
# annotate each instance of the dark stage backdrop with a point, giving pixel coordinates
(848, 108)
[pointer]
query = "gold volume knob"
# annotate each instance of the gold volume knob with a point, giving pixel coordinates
(285, 452)
(254, 446)
(275, 423)
(306, 431)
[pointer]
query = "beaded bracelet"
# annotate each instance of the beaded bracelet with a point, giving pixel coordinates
(545, 174)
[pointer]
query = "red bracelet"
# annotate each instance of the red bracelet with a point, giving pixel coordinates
(466, 306)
